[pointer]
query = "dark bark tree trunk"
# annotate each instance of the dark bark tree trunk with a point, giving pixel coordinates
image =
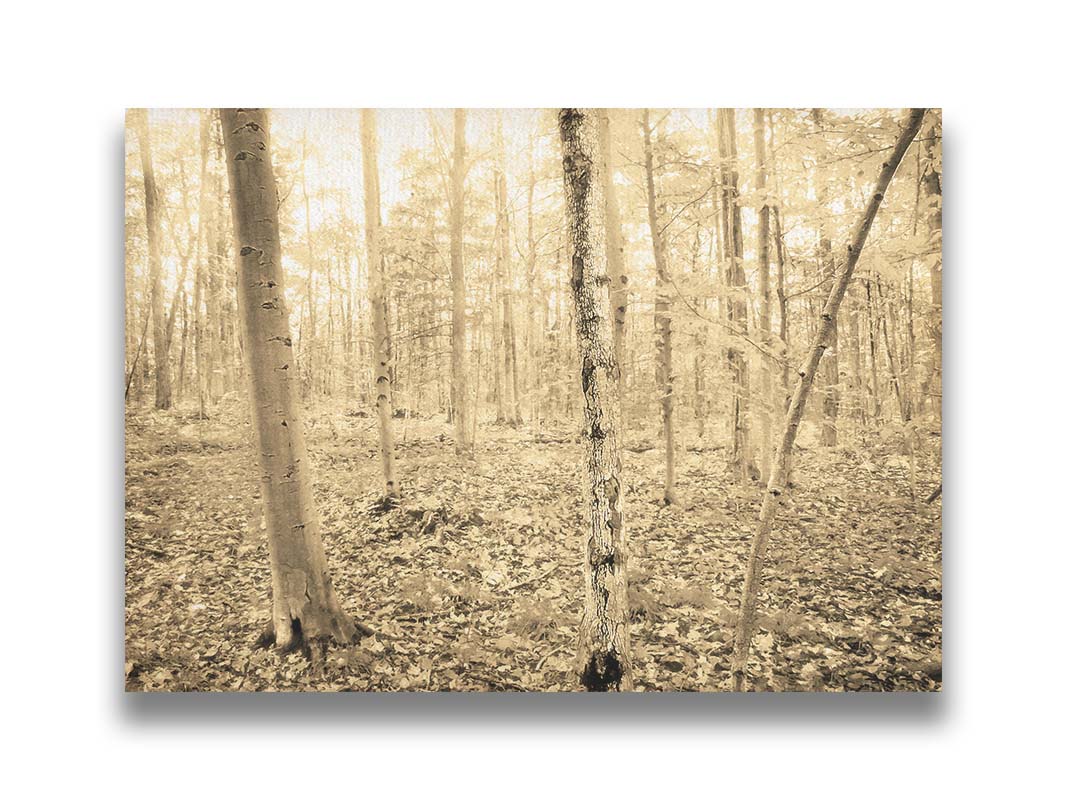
(305, 610)
(604, 637)
(784, 455)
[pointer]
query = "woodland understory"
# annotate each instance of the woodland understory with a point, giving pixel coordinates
(473, 582)
(533, 400)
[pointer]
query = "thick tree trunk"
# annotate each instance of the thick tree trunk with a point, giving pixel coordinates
(763, 250)
(784, 455)
(160, 349)
(460, 400)
(737, 291)
(662, 320)
(615, 244)
(305, 607)
(604, 637)
(376, 269)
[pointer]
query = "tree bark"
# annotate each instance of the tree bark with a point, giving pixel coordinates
(615, 244)
(160, 350)
(825, 258)
(662, 319)
(604, 636)
(460, 400)
(307, 338)
(932, 191)
(305, 607)
(763, 250)
(784, 455)
(376, 269)
(201, 264)
(737, 290)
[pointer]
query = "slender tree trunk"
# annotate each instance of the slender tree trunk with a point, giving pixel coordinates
(305, 607)
(160, 350)
(783, 457)
(376, 268)
(202, 267)
(459, 289)
(307, 338)
(932, 191)
(533, 333)
(872, 342)
(825, 258)
(763, 249)
(604, 637)
(783, 302)
(615, 244)
(737, 290)
(662, 321)
(499, 349)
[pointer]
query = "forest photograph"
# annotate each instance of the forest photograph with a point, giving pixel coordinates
(533, 400)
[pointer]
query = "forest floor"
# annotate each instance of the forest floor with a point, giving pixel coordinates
(474, 582)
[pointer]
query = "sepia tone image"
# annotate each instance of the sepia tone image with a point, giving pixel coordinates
(533, 400)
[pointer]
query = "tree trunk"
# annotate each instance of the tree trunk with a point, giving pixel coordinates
(459, 289)
(825, 258)
(305, 607)
(307, 338)
(763, 249)
(615, 244)
(932, 191)
(376, 270)
(737, 290)
(604, 637)
(784, 455)
(160, 354)
(662, 319)
(200, 279)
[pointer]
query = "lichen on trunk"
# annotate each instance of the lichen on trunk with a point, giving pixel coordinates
(604, 636)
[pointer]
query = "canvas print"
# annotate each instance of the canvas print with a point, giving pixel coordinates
(533, 400)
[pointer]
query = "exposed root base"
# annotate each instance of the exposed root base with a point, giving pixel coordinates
(602, 673)
(384, 503)
(311, 647)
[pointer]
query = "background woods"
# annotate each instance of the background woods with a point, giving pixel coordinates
(534, 372)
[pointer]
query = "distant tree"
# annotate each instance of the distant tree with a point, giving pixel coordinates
(662, 320)
(931, 183)
(200, 280)
(460, 400)
(763, 252)
(784, 454)
(825, 259)
(615, 245)
(160, 348)
(305, 609)
(378, 281)
(604, 635)
(736, 290)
